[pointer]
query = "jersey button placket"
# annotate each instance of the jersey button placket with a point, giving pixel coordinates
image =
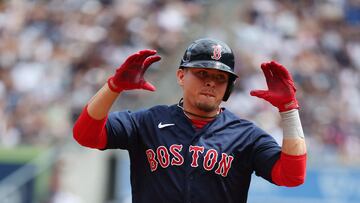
(191, 175)
(191, 178)
(191, 172)
(189, 181)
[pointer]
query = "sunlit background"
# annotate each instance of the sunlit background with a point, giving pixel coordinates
(55, 54)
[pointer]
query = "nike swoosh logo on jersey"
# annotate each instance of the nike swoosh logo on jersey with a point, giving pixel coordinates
(165, 125)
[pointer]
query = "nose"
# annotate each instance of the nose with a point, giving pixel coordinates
(210, 82)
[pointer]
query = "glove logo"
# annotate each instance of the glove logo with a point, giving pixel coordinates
(216, 52)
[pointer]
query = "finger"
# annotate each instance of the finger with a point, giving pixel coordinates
(148, 51)
(132, 57)
(150, 60)
(148, 86)
(143, 54)
(140, 56)
(280, 70)
(267, 72)
(263, 94)
(283, 73)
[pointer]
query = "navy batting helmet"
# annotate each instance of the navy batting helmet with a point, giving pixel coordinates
(214, 54)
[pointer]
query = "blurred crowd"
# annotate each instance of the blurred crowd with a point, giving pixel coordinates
(55, 54)
(319, 42)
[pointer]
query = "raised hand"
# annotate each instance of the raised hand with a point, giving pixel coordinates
(130, 75)
(281, 88)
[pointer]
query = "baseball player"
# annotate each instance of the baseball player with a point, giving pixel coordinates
(196, 151)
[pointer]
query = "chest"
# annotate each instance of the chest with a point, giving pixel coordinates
(204, 151)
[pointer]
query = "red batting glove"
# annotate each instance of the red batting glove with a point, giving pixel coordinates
(130, 75)
(281, 93)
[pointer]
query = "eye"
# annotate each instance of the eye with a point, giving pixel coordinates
(202, 74)
(220, 78)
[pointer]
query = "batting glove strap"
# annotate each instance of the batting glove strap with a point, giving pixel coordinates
(112, 85)
(292, 105)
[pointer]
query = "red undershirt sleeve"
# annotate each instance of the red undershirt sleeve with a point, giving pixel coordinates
(289, 170)
(90, 132)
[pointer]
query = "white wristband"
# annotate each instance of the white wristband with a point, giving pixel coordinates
(291, 124)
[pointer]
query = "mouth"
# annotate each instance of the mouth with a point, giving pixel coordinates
(207, 94)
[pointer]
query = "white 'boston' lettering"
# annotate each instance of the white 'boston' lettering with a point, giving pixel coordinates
(173, 156)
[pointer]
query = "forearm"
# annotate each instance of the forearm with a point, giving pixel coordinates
(293, 146)
(290, 169)
(293, 135)
(89, 129)
(100, 104)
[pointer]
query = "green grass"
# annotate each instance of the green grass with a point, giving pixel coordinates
(19, 154)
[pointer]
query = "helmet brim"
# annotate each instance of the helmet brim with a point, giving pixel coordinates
(209, 64)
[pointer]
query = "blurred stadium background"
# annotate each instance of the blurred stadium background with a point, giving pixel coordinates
(55, 54)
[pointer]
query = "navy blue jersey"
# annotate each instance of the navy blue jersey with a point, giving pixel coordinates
(171, 161)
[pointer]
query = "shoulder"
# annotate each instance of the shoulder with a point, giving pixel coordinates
(231, 117)
(155, 111)
(158, 110)
(234, 121)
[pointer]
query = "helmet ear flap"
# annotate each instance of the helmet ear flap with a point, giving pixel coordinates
(229, 89)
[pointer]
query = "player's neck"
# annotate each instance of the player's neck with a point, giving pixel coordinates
(197, 114)
(194, 116)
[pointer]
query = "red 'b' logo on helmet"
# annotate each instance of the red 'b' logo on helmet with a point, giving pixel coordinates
(216, 52)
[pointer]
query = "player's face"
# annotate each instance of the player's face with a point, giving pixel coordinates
(203, 88)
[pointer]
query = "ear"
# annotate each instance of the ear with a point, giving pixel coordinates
(180, 76)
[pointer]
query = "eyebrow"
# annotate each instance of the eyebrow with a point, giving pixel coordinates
(210, 70)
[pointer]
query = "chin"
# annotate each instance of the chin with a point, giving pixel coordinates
(207, 106)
